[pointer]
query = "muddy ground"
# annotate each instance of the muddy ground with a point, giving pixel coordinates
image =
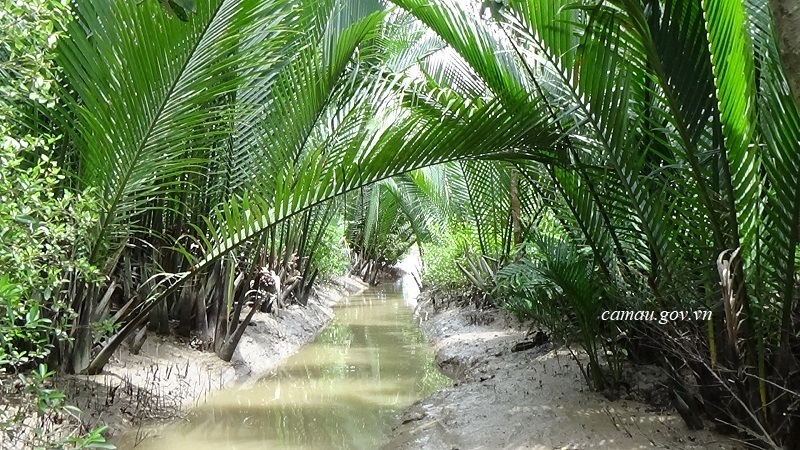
(532, 399)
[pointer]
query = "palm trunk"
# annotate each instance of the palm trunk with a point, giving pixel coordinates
(516, 226)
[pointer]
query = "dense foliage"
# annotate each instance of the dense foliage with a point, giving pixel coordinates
(41, 239)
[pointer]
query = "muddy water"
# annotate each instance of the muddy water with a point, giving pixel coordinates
(345, 390)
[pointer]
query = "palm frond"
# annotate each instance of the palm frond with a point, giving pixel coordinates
(147, 97)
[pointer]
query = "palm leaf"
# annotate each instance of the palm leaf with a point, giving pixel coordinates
(145, 99)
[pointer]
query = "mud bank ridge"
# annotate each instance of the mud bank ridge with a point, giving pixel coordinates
(168, 376)
(533, 399)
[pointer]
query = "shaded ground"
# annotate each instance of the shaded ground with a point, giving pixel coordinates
(533, 399)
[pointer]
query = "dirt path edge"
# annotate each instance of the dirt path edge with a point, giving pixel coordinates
(532, 399)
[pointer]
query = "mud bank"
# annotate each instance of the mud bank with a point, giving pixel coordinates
(168, 376)
(532, 399)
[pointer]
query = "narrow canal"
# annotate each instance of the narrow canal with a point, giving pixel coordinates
(343, 391)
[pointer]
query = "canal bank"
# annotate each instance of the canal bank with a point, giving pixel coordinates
(531, 399)
(138, 393)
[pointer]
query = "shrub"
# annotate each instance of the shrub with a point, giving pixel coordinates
(41, 237)
(331, 256)
(42, 230)
(554, 285)
(448, 245)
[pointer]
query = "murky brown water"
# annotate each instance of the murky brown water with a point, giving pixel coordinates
(343, 391)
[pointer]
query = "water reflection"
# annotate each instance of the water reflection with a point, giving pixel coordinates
(342, 391)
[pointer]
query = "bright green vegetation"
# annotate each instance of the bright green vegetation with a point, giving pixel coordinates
(560, 158)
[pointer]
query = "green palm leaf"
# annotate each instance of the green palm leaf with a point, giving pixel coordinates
(147, 97)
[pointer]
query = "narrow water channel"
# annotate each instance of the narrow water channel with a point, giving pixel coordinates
(343, 391)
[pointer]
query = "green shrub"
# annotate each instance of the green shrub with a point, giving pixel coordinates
(331, 256)
(555, 285)
(448, 245)
(43, 227)
(42, 233)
